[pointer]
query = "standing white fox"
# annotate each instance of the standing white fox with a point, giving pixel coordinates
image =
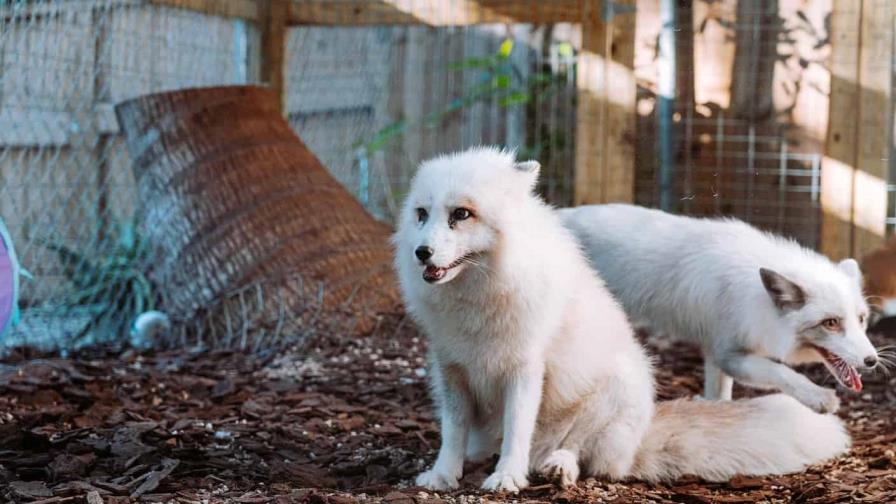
(750, 299)
(533, 359)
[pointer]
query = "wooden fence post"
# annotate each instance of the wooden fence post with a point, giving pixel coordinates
(605, 115)
(273, 18)
(855, 172)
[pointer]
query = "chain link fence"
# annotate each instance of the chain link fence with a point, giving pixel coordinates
(370, 102)
(67, 194)
(746, 111)
(373, 102)
(742, 134)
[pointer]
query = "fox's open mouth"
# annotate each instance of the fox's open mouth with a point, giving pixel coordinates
(435, 273)
(847, 375)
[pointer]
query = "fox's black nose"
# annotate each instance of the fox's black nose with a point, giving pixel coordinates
(871, 360)
(423, 252)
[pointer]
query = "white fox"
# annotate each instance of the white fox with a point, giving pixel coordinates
(750, 299)
(532, 358)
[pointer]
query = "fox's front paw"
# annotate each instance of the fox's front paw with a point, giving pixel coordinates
(437, 480)
(822, 400)
(505, 481)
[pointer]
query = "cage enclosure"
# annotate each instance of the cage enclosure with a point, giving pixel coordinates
(197, 296)
(778, 112)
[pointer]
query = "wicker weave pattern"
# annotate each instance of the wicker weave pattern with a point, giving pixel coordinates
(231, 197)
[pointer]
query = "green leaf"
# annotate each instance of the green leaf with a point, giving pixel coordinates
(139, 299)
(385, 135)
(501, 82)
(540, 78)
(515, 98)
(146, 291)
(470, 63)
(76, 267)
(66, 253)
(87, 295)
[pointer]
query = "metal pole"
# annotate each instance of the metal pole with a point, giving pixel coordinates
(666, 105)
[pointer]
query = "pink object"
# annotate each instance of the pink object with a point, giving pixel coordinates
(7, 288)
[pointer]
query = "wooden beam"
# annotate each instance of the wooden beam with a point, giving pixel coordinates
(353, 12)
(11, 12)
(272, 19)
(874, 127)
(840, 144)
(605, 115)
(590, 110)
(855, 170)
(432, 12)
(357, 12)
(244, 9)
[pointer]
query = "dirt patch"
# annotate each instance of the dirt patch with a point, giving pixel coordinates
(349, 421)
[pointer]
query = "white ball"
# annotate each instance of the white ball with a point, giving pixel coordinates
(148, 327)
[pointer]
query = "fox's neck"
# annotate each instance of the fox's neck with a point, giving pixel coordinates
(529, 247)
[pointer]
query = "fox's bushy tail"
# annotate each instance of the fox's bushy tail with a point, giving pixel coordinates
(715, 440)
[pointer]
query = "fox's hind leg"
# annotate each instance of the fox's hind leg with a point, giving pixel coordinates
(615, 448)
(616, 431)
(716, 384)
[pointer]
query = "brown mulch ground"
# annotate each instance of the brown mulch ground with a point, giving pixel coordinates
(348, 422)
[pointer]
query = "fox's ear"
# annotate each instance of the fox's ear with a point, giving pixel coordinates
(785, 294)
(851, 268)
(530, 170)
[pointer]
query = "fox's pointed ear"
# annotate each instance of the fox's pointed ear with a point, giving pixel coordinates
(530, 170)
(785, 294)
(851, 268)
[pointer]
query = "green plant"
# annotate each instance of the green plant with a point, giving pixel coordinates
(110, 284)
(498, 80)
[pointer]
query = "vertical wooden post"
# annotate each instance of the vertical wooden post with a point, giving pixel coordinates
(840, 144)
(874, 128)
(605, 115)
(590, 112)
(857, 149)
(273, 17)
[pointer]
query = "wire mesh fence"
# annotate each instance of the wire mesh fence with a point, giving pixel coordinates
(68, 192)
(731, 120)
(370, 102)
(385, 98)
(746, 114)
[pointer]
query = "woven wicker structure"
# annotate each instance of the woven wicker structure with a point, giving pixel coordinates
(233, 198)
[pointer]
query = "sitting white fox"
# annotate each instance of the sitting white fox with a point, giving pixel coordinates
(533, 359)
(750, 299)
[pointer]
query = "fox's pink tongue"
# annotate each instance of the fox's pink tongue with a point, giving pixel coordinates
(848, 375)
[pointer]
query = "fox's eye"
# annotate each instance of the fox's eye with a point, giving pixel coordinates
(831, 324)
(460, 214)
(862, 318)
(422, 215)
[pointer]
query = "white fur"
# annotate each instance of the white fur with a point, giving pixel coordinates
(889, 307)
(532, 357)
(699, 280)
